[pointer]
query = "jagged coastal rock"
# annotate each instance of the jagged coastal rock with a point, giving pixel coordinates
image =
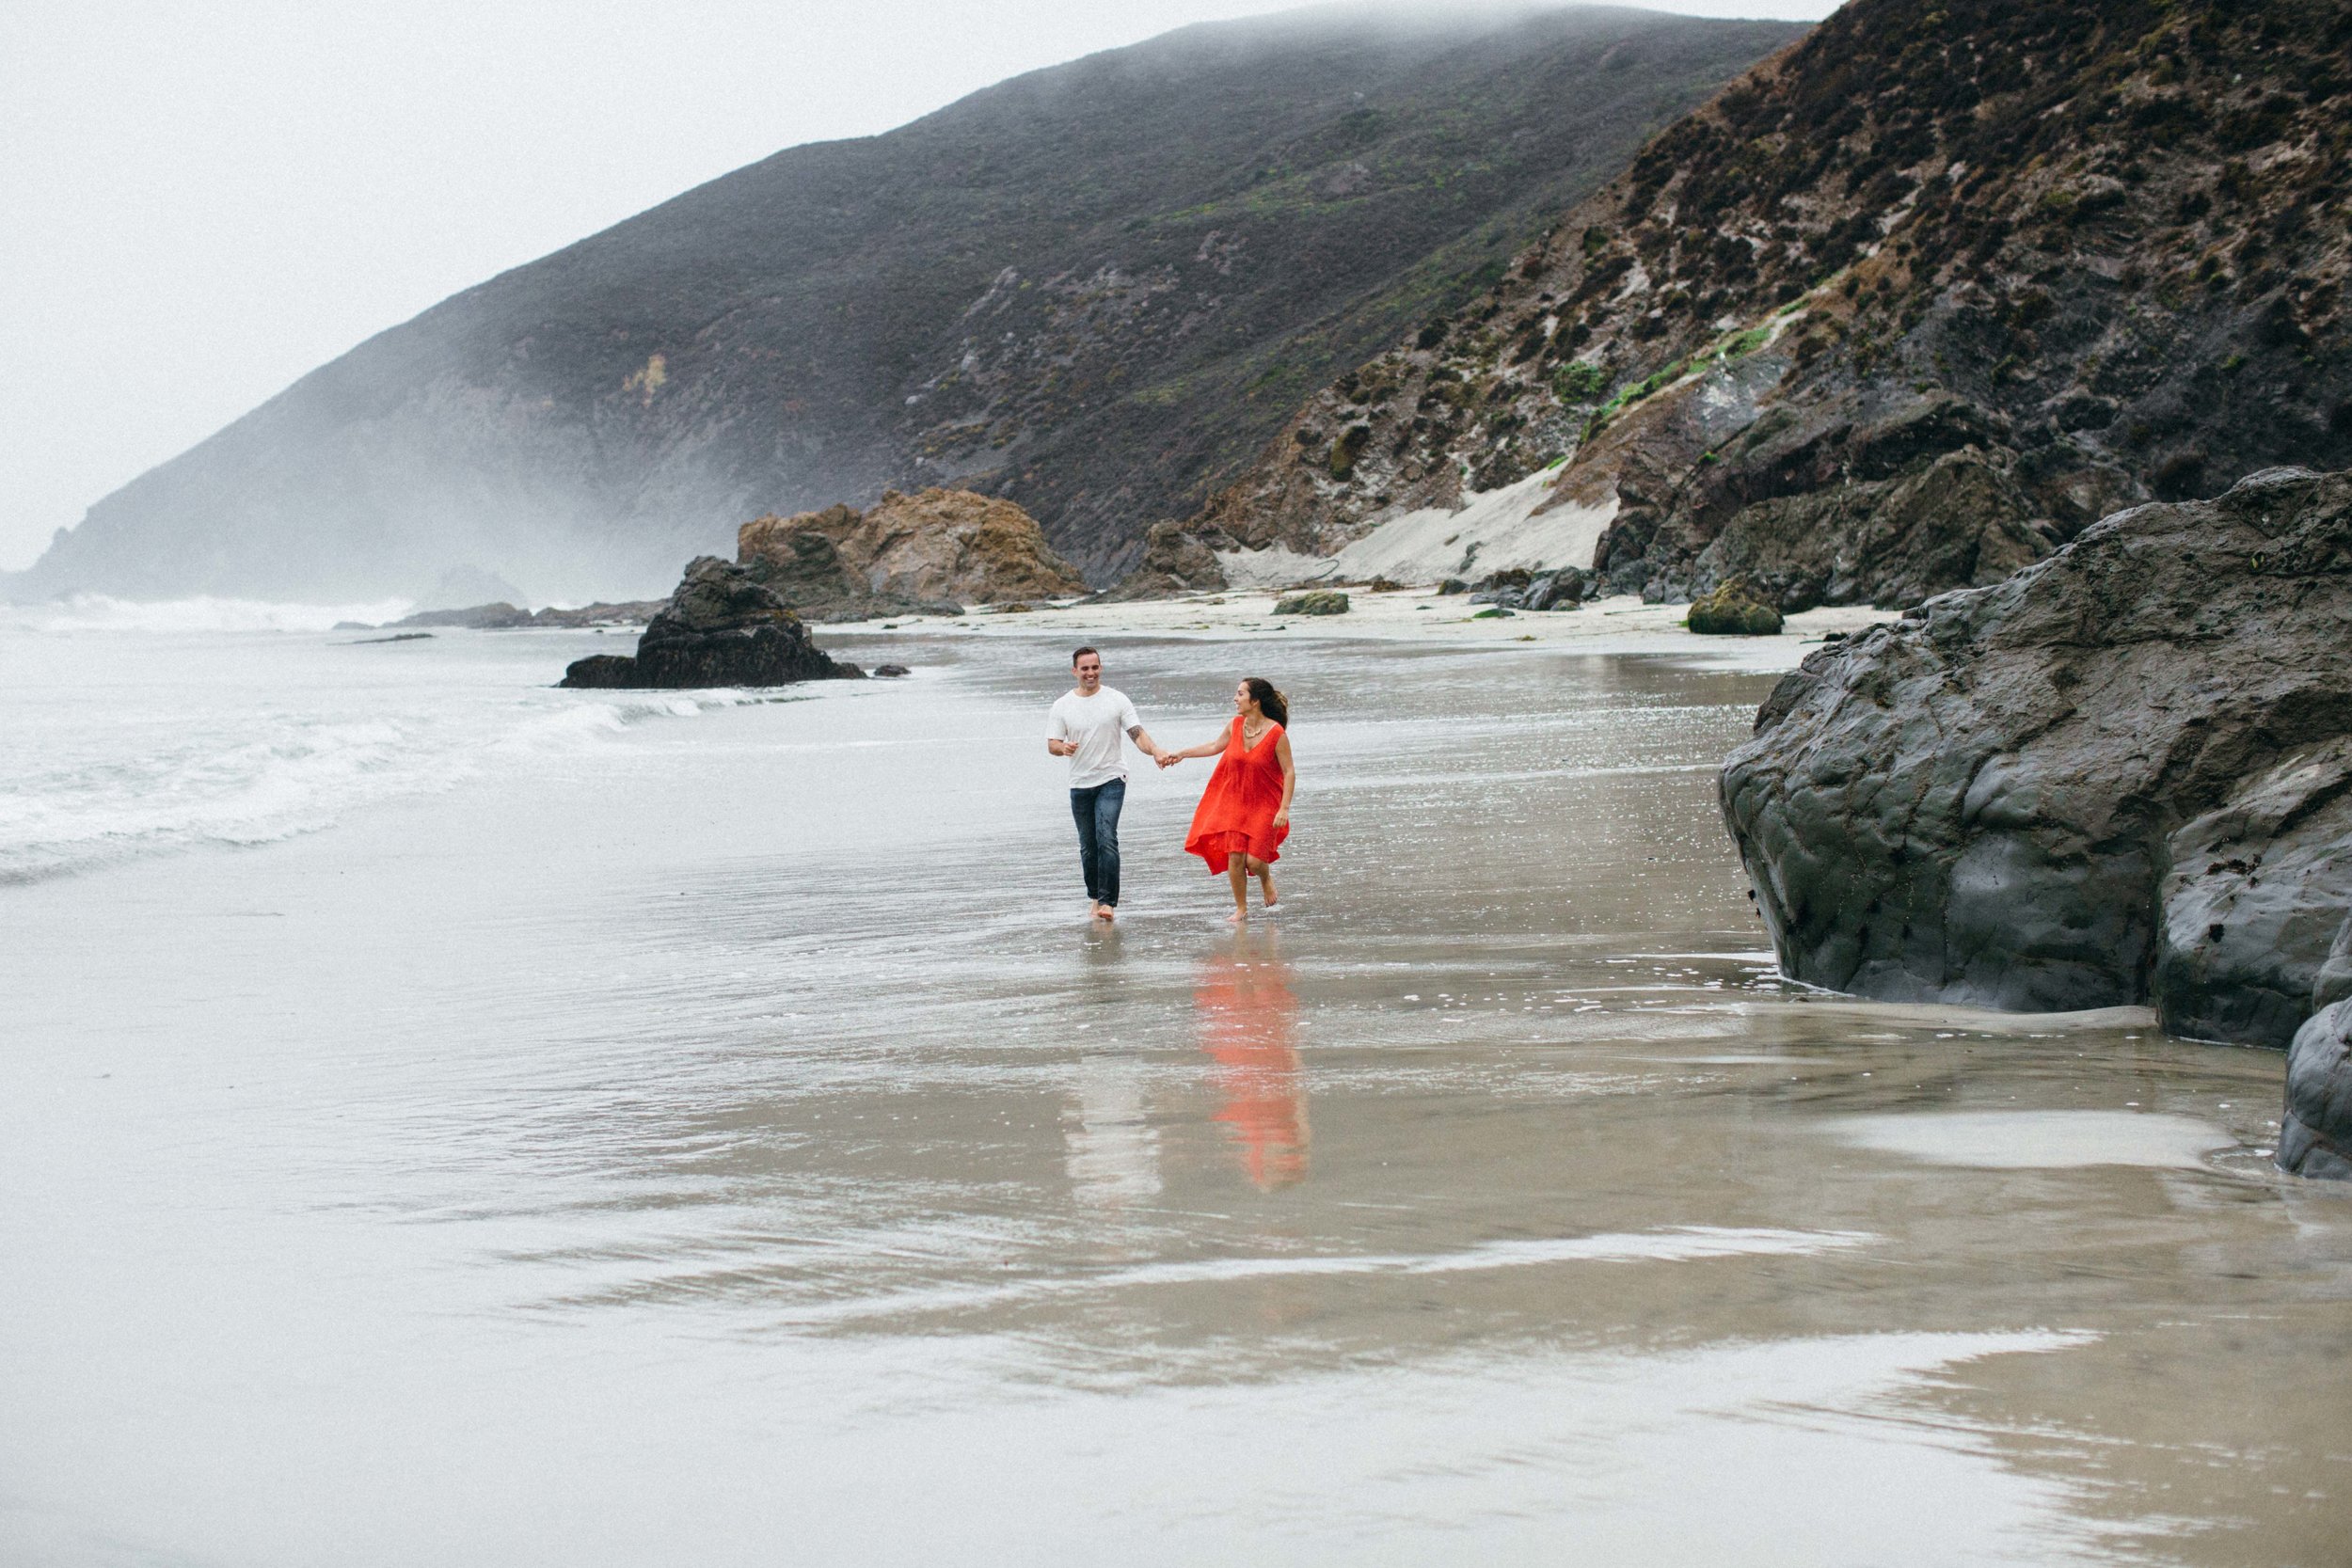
(722, 627)
(934, 551)
(2122, 775)
(1901, 312)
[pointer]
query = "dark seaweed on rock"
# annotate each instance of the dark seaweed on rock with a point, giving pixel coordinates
(1901, 311)
(1733, 610)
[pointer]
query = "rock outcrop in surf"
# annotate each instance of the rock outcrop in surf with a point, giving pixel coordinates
(722, 627)
(2122, 775)
(930, 552)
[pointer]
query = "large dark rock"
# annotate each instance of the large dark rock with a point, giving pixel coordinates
(2122, 775)
(2316, 1135)
(2256, 892)
(722, 627)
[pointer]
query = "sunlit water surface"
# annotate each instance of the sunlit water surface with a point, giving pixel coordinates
(554, 1130)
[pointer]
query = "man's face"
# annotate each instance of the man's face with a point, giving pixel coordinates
(1089, 669)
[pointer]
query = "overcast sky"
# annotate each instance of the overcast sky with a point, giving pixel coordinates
(204, 200)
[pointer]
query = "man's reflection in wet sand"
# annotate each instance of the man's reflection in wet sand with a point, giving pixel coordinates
(1248, 1027)
(1113, 1155)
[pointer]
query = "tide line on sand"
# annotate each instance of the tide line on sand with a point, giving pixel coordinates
(1673, 1245)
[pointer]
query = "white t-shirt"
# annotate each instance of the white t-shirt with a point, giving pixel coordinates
(1099, 724)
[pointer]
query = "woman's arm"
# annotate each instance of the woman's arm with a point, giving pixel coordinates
(1206, 748)
(1290, 778)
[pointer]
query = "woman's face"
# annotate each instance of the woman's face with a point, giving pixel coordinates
(1244, 703)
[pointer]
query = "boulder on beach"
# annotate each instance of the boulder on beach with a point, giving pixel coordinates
(2315, 1134)
(2122, 775)
(1531, 588)
(722, 627)
(1315, 601)
(1733, 610)
(932, 552)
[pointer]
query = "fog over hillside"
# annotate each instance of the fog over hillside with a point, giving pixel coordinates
(1097, 289)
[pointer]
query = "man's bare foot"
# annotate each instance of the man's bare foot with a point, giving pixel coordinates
(1106, 911)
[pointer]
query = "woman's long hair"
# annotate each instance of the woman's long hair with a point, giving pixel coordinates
(1270, 702)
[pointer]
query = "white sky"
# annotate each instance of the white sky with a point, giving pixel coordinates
(204, 199)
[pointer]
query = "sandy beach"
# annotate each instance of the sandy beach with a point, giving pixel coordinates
(451, 1118)
(1621, 624)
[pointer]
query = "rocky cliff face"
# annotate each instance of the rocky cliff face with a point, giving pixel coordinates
(937, 550)
(1094, 290)
(2122, 775)
(1900, 310)
(722, 627)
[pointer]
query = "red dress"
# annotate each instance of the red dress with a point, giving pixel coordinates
(1236, 812)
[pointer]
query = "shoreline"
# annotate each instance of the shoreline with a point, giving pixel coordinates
(1620, 625)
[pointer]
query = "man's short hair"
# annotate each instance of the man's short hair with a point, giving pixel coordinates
(1081, 654)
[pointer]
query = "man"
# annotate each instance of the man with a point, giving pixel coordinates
(1085, 726)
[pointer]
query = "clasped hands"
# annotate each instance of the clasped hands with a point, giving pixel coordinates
(1169, 759)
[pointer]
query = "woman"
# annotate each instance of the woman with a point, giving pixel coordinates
(1245, 813)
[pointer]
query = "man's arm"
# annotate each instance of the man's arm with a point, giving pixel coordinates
(1133, 723)
(1057, 743)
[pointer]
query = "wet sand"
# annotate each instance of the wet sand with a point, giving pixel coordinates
(733, 1142)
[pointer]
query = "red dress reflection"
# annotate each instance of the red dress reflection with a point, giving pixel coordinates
(1249, 1021)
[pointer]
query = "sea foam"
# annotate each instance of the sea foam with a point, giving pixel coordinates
(115, 744)
(103, 612)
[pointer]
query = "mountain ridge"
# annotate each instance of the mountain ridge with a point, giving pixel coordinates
(1094, 288)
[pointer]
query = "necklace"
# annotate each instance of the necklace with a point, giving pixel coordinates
(1248, 739)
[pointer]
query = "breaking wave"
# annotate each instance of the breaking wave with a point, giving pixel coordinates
(115, 745)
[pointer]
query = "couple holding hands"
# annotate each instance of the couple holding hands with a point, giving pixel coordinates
(1244, 814)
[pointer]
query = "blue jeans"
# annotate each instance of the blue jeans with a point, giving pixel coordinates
(1097, 810)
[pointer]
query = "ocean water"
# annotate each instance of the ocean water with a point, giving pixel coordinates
(447, 1118)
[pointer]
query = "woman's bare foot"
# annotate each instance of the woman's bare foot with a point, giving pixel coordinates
(1236, 918)
(1266, 886)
